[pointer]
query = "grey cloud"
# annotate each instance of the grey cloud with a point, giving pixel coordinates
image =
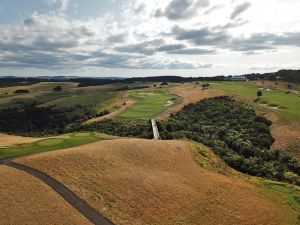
(201, 37)
(240, 9)
(146, 48)
(212, 9)
(166, 48)
(140, 8)
(181, 49)
(219, 38)
(192, 51)
(182, 9)
(117, 38)
(265, 41)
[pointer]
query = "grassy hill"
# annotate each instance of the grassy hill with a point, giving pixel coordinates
(287, 103)
(27, 200)
(135, 181)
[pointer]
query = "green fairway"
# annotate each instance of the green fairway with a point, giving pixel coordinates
(49, 144)
(147, 105)
(288, 104)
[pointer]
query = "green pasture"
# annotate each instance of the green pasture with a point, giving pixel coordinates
(89, 97)
(148, 104)
(287, 104)
(49, 144)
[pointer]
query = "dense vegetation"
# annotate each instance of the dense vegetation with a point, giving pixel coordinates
(21, 91)
(33, 120)
(236, 134)
(122, 128)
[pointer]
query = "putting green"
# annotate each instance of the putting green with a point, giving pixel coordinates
(147, 104)
(50, 142)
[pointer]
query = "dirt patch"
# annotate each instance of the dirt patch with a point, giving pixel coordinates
(27, 201)
(128, 102)
(287, 138)
(9, 140)
(157, 182)
(189, 93)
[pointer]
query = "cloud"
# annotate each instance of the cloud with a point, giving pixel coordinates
(219, 38)
(140, 37)
(182, 9)
(62, 4)
(240, 9)
(201, 37)
(192, 51)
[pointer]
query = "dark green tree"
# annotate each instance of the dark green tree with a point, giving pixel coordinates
(259, 94)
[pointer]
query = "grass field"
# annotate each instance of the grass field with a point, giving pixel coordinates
(92, 98)
(49, 144)
(288, 104)
(25, 200)
(147, 104)
(139, 182)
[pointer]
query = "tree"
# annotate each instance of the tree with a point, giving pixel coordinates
(205, 86)
(57, 88)
(259, 94)
(164, 83)
(21, 91)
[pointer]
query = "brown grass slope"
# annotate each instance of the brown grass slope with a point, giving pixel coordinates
(157, 182)
(24, 200)
(189, 93)
(9, 140)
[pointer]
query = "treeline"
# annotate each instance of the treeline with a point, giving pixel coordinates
(83, 82)
(292, 76)
(235, 133)
(31, 120)
(26, 81)
(122, 128)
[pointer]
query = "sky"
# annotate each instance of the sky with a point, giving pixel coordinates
(148, 38)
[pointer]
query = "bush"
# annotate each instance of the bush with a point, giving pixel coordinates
(234, 131)
(57, 88)
(21, 91)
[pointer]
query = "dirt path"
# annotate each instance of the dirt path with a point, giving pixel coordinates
(64, 192)
(128, 103)
(189, 93)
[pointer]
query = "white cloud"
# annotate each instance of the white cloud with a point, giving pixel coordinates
(62, 4)
(189, 34)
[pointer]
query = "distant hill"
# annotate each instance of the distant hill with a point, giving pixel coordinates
(292, 76)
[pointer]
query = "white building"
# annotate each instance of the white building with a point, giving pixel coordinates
(238, 78)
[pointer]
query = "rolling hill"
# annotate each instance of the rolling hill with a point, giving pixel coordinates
(134, 181)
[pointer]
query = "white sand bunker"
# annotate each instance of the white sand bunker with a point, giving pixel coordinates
(169, 103)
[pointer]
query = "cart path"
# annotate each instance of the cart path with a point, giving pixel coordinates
(79, 204)
(155, 130)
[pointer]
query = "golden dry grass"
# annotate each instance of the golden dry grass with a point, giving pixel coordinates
(138, 182)
(9, 140)
(27, 201)
(287, 137)
(189, 93)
